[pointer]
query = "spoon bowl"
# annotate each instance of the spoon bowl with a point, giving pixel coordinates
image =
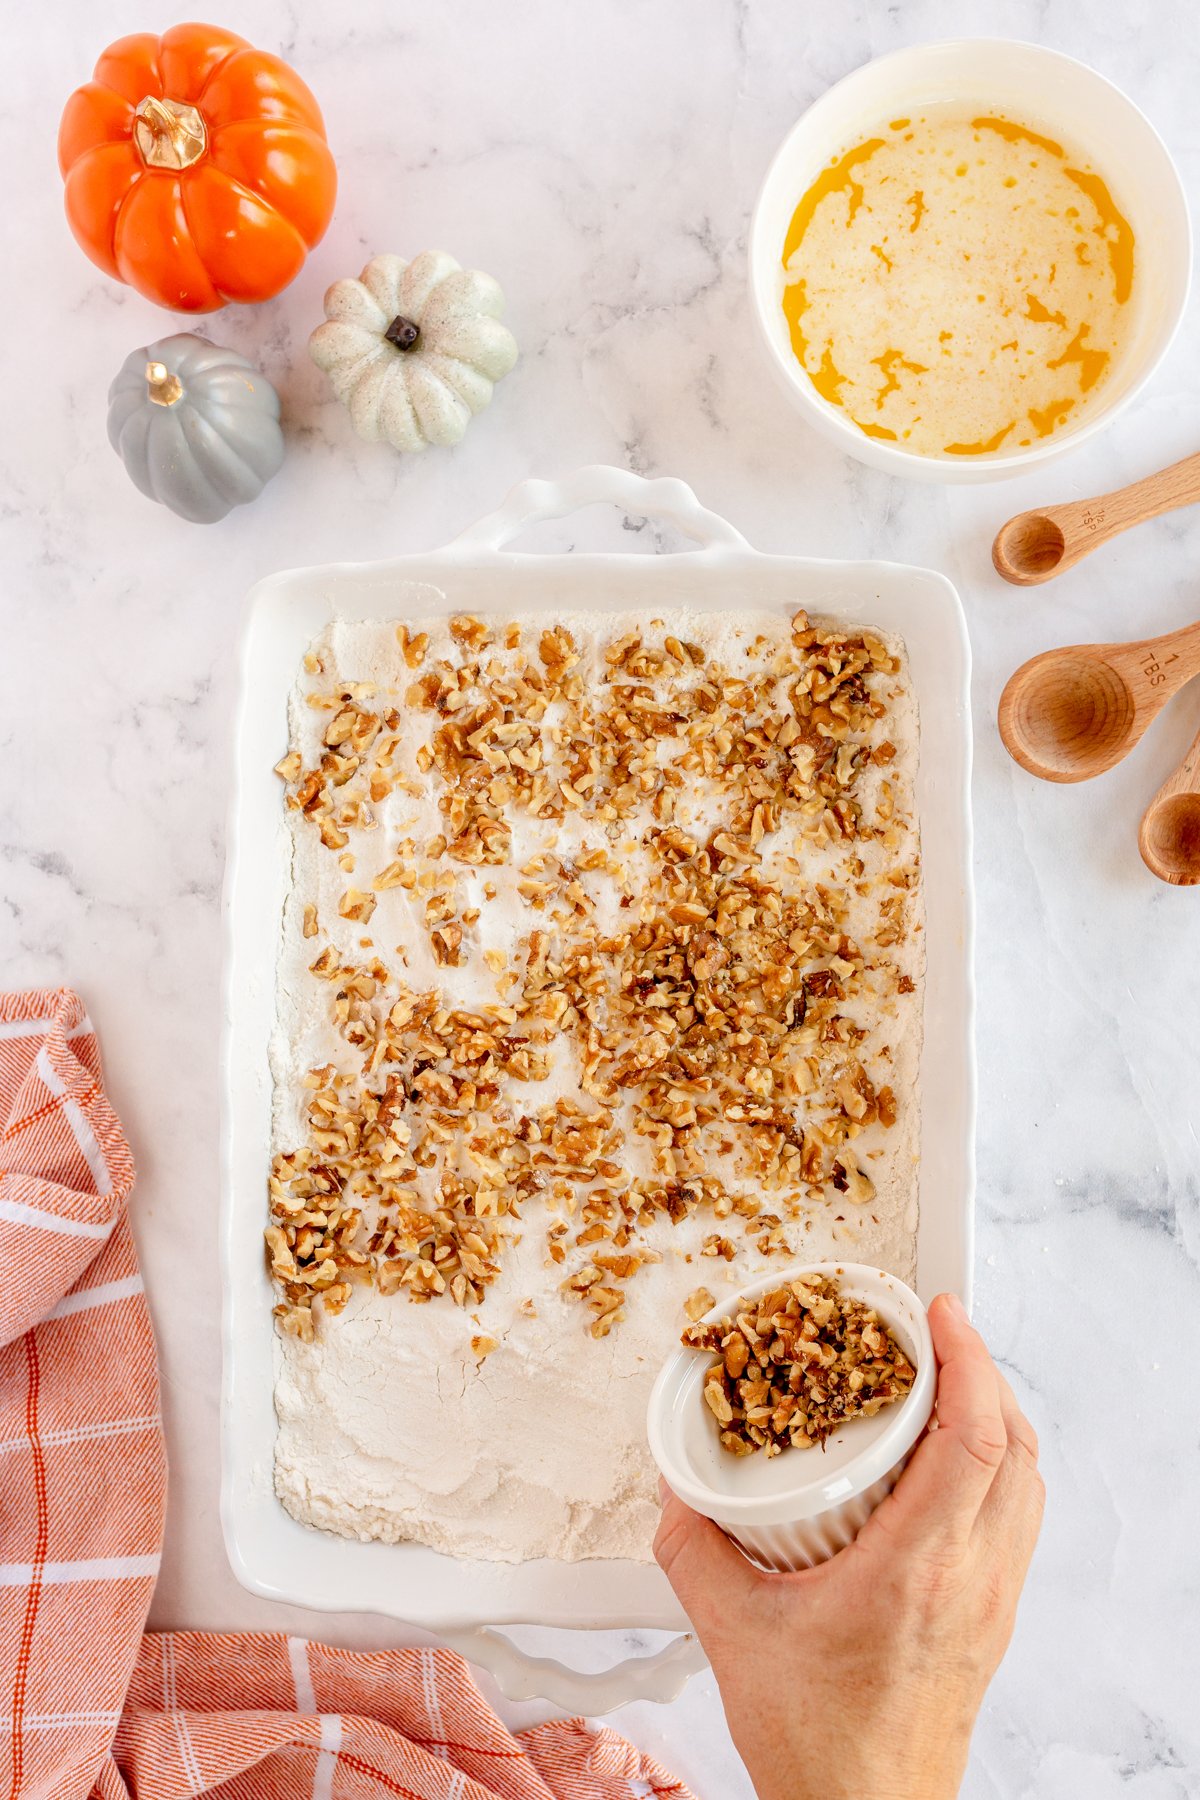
(1169, 839)
(1068, 715)
(1029, 548)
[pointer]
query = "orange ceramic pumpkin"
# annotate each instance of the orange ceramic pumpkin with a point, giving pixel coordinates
(196, 168)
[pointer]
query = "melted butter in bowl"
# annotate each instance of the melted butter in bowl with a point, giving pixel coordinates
(959, 284)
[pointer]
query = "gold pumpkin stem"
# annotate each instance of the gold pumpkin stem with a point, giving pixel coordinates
(164, 387)
(169, 134)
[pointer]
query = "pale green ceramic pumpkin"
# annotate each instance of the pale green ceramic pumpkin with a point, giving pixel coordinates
(197, 427)
(414, 349)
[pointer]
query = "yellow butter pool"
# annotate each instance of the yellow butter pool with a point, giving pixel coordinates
(959, 283)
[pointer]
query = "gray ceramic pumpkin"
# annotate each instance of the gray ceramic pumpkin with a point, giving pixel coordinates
(197, 427)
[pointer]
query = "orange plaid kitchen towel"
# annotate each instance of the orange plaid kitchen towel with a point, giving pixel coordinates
(94, 1707)
(82, 1470)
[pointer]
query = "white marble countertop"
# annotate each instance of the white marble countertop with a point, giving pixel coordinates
(601, 161)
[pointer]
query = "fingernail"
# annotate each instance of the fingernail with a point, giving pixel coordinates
(664, 1492)
(956, 1309)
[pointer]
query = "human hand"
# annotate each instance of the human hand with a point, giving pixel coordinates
(864, 1675)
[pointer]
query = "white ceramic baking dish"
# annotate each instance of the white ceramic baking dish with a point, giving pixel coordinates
(271, 1553)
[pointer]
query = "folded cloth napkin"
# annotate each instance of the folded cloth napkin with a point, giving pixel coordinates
(94, 1706)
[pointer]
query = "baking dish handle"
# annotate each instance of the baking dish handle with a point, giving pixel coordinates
(664, 497)
(522, 1676)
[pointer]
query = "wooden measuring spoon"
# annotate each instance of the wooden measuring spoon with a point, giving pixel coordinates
(1169, 836)
(1072, 713)
(1035, 546)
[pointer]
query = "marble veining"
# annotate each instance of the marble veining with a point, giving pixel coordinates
(601, 162)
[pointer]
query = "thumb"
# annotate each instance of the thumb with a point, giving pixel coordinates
(712, 1579)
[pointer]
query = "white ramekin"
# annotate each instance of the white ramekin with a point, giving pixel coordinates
(1039, 87)
(799, 1508)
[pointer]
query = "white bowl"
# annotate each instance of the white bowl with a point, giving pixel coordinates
(799, 1508)
(1045, 90)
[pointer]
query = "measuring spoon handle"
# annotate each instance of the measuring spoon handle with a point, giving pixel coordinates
(1186, 778)
(1156, 668)
(1085, 524)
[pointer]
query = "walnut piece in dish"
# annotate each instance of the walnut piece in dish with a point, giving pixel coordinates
(796, 1364)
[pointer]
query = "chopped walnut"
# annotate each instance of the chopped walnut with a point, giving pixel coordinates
(698, 1303)
(795, 1365)
(412, 648)
(712, 991)
(295, 1321)
(354, 904)
(335, 1296)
